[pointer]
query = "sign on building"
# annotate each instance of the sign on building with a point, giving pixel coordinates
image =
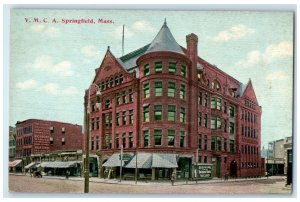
(203, 171)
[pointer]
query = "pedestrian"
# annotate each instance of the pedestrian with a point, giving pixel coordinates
(226, 176)
(173, 176)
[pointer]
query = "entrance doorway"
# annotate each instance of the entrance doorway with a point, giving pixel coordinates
(216, 161)
(233, 169)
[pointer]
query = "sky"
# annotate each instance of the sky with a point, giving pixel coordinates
(51, 64)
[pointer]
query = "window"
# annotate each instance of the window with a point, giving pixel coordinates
(158, 67)
(118, 119)
(231, 146)
(172, 67)
(117, 141)
(157, 137)
(225, 144)
(182, 91)
(97, 143)
(205, 159)
(217, 86)
(130, 116)
(213, 102)
(116, 80)
(130, 140)
(231, 111)
(219, 105)
(107, 141)
(231, 130)
(146, 70)
(171, 137)
(183, 70)
(200, 119)
(158, 88)
(146, 138)
(213, 143)
(107, 84)
(146, 114)
(182, 115)
(171, 89)
(107, 104)
(124, 97)
(206, 100)
(205, 121)
(131, 95)
(102, 86)
(108, 120)
(219, 126)
(93, 124)
(219, 143)
(51, 140)
(118, 100)
(111, 82)
(121, 79)
(205, 142)
(92, 143)
(123, 118)
(213, 122)
(124, 140)
(98, 122)
(157, 112)
(200, 98)
(213, 85)
(182, 138)
(171, 112)
(200, 141)
(146, 90)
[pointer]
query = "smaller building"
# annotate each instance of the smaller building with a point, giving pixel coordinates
(12, 143)
(43, 140)
(276, 156)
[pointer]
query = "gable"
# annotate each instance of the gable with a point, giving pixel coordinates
(249, 93)
(111, 68)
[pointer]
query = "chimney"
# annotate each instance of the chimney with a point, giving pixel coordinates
(192, 52)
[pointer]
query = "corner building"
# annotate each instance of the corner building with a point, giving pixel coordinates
(175, 110)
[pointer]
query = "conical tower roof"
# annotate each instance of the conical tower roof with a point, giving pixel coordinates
(164, 41)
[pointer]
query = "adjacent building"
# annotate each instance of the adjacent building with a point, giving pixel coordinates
(175, 110)
(12, 142)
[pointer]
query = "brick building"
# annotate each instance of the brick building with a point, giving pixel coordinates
(175, 110)
(12, 142)
(36, 137)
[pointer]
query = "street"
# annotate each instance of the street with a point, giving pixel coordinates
(21, 183)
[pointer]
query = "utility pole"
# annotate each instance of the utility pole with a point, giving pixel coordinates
(135, 174)
(121, 158)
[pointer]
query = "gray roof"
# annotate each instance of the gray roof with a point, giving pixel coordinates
(242, 88)
(114, 161)
(144, 160)
(31, 165)
(164, 41)
(164, 160)
(59, 164)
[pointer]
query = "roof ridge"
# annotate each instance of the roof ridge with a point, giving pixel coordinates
(134, 53)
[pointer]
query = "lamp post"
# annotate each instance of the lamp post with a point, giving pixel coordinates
(87, 141)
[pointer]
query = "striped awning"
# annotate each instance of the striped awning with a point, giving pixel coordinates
(114, 161)
(164, 160)
(59, 164)
(32, 164)
(144, 160)
(15, 163)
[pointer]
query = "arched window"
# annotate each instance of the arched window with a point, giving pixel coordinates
(116, 80)
(121, 79)
(111, 82)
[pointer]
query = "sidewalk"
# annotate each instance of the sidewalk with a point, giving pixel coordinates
(166, 182)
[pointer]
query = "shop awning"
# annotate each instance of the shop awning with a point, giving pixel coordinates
(32, 164)
(164, 160)
(114, 161)
(144, 160)
(59, 164)
(15, 163)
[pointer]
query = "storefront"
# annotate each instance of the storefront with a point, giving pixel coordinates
(61, 168)
(15, 166)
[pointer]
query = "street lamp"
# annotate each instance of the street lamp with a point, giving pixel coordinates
(87, 142)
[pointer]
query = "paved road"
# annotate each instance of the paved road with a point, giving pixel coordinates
(75, 185)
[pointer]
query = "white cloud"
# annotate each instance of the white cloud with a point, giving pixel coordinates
(137, 27)
(142, 25)
(235, 32)
(279, 75)
(45, 63)
(281, 50)
(70, 91)
(26, 85)
(90, 51)
(42, 29)
(50, 88)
